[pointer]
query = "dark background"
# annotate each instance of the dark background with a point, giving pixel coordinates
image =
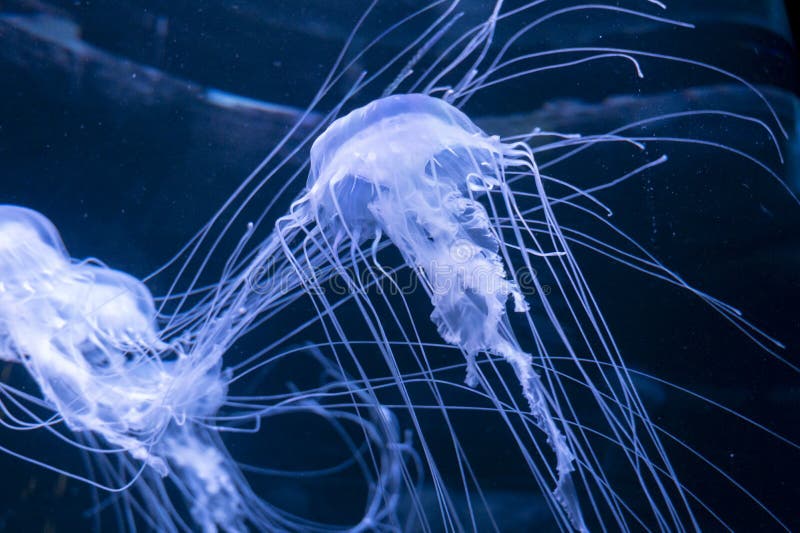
(119, 145)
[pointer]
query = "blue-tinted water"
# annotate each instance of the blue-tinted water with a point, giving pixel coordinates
(119, 142)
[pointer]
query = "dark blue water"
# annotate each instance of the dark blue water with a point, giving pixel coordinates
(119, 145)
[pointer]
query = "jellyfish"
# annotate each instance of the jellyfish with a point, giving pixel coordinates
(87, 336)
(415, 173)
(409, 167)
(430, 284)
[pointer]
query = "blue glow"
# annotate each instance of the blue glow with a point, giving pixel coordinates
(491, 235)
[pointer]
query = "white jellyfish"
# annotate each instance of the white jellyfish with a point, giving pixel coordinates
(409, 167)
(88, 337)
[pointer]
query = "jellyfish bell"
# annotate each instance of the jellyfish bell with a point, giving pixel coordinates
(35, 260)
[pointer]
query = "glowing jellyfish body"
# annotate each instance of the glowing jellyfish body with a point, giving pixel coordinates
(410, 166)
(72, 326)
(87, 336)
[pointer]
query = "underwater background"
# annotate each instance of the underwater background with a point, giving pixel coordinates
(128, 123)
